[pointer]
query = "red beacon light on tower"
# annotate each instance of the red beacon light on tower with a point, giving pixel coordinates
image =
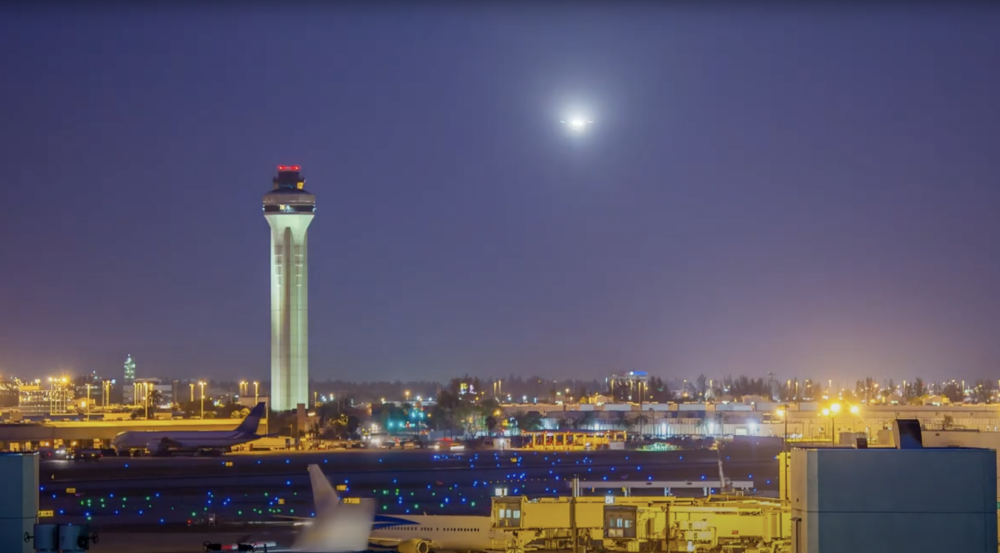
(289, 177)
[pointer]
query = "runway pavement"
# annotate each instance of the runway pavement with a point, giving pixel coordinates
(182, 494)
(179, 541)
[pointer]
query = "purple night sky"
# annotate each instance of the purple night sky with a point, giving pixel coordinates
(810, 193)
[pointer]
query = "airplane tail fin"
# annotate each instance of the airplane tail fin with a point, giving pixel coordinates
(250, 424)
(337, 528)
(324, 496)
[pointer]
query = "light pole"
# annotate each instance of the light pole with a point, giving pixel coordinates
(202, 384)
(783, 412)
(192, 391)
(834, 409)
(256, 389)
(407, 394)
(145, 398)
(243, 387)
(856, 411)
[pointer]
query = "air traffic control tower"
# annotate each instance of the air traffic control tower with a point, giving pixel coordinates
(289, 209)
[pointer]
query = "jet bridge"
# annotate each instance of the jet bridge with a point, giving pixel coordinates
(669, 485)
(639, 524)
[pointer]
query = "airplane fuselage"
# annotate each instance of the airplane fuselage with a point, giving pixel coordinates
(165, 440)
(443, 532)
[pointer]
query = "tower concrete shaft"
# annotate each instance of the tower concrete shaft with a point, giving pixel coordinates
(289, 210)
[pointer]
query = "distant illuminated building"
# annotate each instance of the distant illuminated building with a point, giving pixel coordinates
(36, 400)
(154, 391)
(33, 400)
(128, 395)
(175, 392)
(632, 384)
(59, 396)
(129, 369)
(289, 209)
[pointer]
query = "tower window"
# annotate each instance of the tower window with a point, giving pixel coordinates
(287, 208)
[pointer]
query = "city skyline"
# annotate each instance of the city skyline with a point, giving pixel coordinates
(754, 194)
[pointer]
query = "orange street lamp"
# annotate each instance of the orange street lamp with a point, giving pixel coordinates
(202, 384)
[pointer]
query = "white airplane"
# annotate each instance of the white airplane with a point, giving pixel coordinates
(403, 533)
(163, 442)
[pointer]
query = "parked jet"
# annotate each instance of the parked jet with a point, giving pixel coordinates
(164, 442)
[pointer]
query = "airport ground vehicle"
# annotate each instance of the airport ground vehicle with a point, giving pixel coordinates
(87, 455)
(52, 453)
(271, 443)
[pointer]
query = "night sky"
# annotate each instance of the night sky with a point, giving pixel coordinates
(810, 193)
